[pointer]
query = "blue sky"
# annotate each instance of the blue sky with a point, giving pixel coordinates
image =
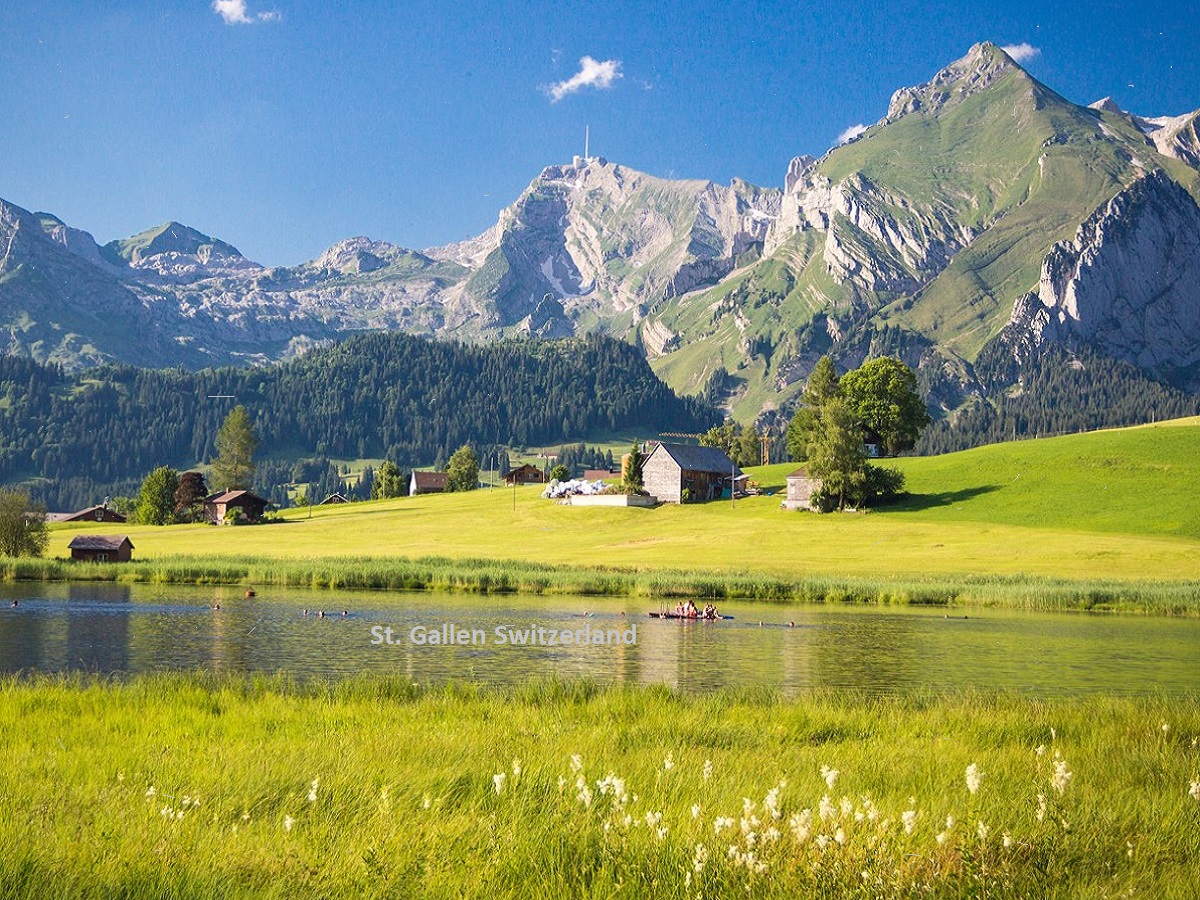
(282, 126)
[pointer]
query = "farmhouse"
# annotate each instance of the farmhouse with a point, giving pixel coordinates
(333, 499)
(800, 489)
(525, 474)
(91, 514)
(218, 506)
(427, 483)
(101, 548)
(678, 473)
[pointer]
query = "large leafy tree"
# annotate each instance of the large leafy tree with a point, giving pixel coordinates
(821, 387)
(234, 467)
(836, 454)
(462, 472)
(156, 499)
(883, 394)
(23, 529)
(189, 496)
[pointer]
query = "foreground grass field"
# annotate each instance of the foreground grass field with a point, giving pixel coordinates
(183, 786)
(1094, 510)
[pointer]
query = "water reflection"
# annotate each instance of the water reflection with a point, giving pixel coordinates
(140, 628)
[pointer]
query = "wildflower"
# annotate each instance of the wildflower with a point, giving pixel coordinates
(166, 812)
(801, 825)
(1041, 807)
(151, 792)
(120, 776)
(516, 769)
(498, 781)
(576, 763)
(721, 823)
(708, 769)
(974, 778)
(1194, 790)
(826, 809)
(695, 810)
(1129, 849)
(653, 819)
(840, 836)
(668, 763)
(772, 834)
(245, 815)
(771, 802)
(1166, 729)
(982, 830)
(562, 783)
(942, 837)
(662, 832)
(288, 822)
(822, 841)
(1041, 750)
(909, 818)
(1062, 775)
(830, 776)
(312, 791)
(583, 792)
(847, 806)
(426, 802)
(700, 859)
(1006, 840)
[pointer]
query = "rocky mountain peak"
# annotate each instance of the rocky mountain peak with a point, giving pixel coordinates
(984, 64)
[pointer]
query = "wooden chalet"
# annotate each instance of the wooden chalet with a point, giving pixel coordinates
(427, 483)
(703, 472)
(98, 548)
(333, 499)
(218, 506)
(525, 474)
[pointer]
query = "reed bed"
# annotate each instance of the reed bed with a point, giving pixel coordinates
(483, 576)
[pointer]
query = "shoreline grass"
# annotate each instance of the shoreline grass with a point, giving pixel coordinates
(193, 785)
(481, 576)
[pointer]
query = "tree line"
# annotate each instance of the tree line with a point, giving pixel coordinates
(77, 438)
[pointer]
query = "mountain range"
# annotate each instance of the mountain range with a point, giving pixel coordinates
(984, 217)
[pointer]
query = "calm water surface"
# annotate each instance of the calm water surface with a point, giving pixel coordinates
(143, 628)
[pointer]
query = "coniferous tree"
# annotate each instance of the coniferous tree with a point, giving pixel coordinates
(822, 386)
(836, 454)
(233, 468)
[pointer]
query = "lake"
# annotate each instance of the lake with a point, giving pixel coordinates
(108, 628)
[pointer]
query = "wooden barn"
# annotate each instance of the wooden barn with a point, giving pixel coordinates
(92, 514)
(525, 474)
(427, 483)
(703, 473)
(218, 506)
(100, 548)
(333, 499)
(800, 489)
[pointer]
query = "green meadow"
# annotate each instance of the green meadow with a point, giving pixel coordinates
(188, 786)
(1102, 519)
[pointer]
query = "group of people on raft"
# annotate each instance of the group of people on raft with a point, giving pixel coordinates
(689, 611)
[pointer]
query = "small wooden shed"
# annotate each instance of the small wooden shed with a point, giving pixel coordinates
(100, 548)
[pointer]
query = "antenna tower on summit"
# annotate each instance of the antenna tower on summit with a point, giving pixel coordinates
(586, 139)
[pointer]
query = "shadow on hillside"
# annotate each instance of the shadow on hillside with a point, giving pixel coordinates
(918, 502)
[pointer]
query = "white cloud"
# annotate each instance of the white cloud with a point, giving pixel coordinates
(592, 73)
(1022, 52)
(850, 134)
(234, 13)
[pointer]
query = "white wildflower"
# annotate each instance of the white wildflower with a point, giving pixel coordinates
(942, 837)
(974, 778)
(576, 763)
(707, 771)
(1006, 840)
(1194, 790)
(151, 791)
(288, 822)
(801, 825)
(909, 818)
(822, 841)
(771, 802)
(1041, 807)
(696, 810)
(516, 769)
(826, 809)
(771, 835)
(982, 830)
(847, 806)
(700, 859)
(840, 835)
(1062, 776)
(312, 790)
(661, 833)
(562, 783)
(721, 823)
(668, 763)
(120, 776)
(426, 802)
(830, 776)
(653, 819)
(166, 812)
(1041, 750)
(583, 792)
(498, 781)
(1166, 729)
